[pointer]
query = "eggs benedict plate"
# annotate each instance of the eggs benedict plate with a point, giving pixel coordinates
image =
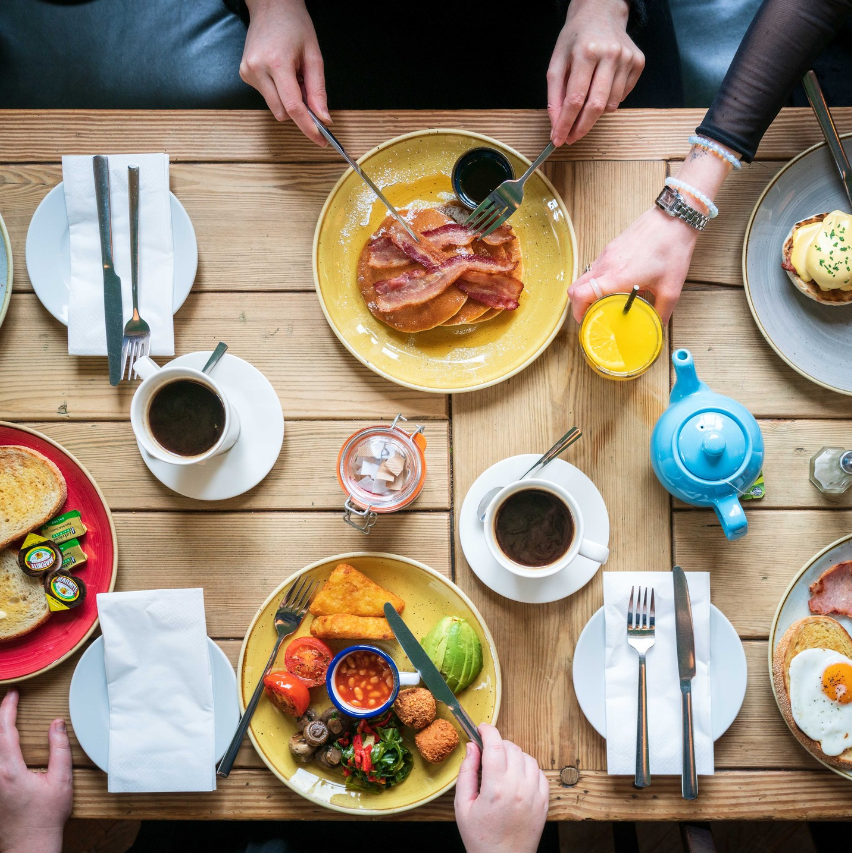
(817, 256)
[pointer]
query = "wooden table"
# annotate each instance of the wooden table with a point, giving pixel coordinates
(253, 191)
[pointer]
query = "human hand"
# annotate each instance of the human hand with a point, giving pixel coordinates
(594, 67)
(654, 252)
(506, 813)
(282, 60)
(33, 806)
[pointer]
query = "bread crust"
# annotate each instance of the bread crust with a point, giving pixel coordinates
(810, 288)
(9, 563)
(781, 657)
(61, 496)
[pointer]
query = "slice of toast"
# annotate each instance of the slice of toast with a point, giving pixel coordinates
(23, 604)
(32, 491)
(349, 591)
(812, 632)
(810, 288)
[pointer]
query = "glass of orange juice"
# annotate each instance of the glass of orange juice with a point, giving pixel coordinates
(621, 345)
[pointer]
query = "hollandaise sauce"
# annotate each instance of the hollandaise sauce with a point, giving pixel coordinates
(822, 252)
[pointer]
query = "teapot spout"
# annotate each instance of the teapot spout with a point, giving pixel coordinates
(687, 381)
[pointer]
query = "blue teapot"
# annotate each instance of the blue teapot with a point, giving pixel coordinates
(706, 449)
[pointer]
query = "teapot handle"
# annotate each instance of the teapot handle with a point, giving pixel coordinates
(732, 516)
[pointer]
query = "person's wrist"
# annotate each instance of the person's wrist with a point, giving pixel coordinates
(49, 841)
(684, 232)
(605, 8)
(259, 6)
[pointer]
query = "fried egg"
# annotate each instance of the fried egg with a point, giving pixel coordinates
(821, 698)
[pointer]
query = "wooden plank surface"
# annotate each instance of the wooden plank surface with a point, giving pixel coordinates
(302, 478)
(527, 414)
(32, 136)
(733, 358)
(254, 221)
(284, 335)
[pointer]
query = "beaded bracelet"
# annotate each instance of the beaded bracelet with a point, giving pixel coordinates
(716, 149)
(712, 210)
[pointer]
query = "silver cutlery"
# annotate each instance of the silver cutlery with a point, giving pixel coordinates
(504, 201)
(364, 177)
(289, 616)
(429, 673)
(221, 349)
(829, 131)
(113, 311)
(137, 333)
(566, 441)
(640, 636)
(686, 669)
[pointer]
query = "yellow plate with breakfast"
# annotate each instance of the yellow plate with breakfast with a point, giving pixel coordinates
(452, 312)
(367, 749)
(810, 656)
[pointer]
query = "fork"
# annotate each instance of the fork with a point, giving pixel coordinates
(289, 616)
(137, 333)
(640, 636)
(504, 201)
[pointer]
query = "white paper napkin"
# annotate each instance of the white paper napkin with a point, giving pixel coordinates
(161, 728)
(86, 329)
(664, 697)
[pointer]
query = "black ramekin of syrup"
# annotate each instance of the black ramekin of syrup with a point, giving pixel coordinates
(479, 172)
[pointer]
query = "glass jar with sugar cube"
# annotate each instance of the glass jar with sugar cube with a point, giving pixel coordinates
(381, 469)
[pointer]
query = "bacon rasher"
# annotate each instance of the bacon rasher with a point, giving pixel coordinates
(419, 289)
(454, 234)
(385, 254)
(424, 252)
(494, 289)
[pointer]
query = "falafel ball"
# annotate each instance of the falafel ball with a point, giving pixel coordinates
(437, 741)
(415, 707)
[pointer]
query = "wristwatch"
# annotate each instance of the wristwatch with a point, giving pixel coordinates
(673, 203)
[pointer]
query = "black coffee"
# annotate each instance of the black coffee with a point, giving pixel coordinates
(534, 528)
(186, 417)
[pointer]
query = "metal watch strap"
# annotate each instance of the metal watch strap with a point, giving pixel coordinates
(673, 203)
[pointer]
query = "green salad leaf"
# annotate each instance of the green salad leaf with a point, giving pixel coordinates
(374, 757)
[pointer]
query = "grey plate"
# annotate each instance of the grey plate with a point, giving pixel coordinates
(5, 270)
(814, 339)
(794, 604)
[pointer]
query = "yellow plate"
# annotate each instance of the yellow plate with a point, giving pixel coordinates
(415, 169)
(428, 596)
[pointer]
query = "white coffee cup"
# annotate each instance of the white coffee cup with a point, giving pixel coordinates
(154, 378)
(579, 545)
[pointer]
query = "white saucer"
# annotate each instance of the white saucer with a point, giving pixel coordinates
(532, 590)
(49, 253)
(728, 672)
(252, 457)
(89, 703)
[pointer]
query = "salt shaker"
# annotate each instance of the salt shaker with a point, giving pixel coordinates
(831, 470)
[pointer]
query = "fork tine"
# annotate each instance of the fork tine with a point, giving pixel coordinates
(305, 602)
(480, 215)
(292, 593)
(645, 611)
(486, 216)
(124, 348)
(630, 611)
(492, 221)
(477, 212)
(496, 223)
(652, 609)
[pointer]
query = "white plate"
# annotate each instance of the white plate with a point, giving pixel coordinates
(261, 435)
(88, 702)
(728, 672)
(794, 605)
(532, 590)
(49, 253)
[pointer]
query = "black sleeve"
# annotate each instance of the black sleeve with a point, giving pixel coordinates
(784, 39)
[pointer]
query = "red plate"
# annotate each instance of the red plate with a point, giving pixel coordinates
(64, 633)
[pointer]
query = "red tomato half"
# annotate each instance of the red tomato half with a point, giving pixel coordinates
(287, 692)
(308, 658)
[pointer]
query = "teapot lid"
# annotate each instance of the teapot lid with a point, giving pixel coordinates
(712, 445)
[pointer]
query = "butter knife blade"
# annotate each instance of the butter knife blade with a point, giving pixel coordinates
(113, 309)
(429, 673)
(685, 636)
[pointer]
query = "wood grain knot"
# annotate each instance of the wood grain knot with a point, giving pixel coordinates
(569, 775)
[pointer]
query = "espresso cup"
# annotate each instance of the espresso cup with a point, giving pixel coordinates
(154, 378)
(579, 544)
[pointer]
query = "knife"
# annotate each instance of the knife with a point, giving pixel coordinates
(686, 669)
(365, 178)
(829, 131)
(113, 311)
(429, 673)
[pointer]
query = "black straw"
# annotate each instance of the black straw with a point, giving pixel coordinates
(630, 299)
